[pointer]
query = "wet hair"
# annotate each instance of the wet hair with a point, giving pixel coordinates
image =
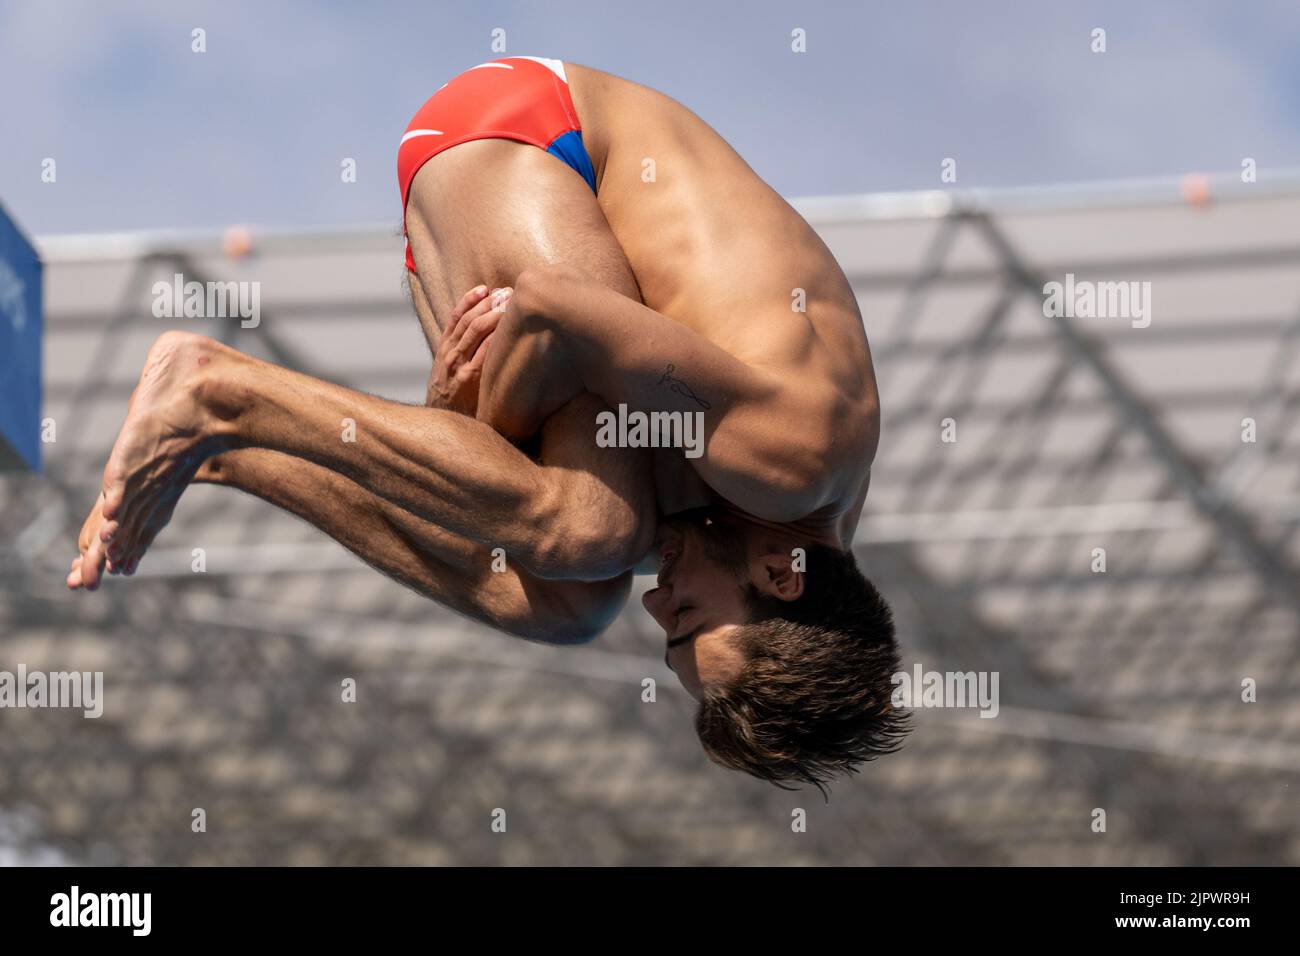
(813, 700)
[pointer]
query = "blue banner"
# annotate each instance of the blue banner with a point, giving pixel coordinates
(20, 349)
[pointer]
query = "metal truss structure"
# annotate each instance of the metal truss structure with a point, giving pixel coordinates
(1077, 439)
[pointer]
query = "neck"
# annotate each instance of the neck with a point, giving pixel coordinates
(806, 530)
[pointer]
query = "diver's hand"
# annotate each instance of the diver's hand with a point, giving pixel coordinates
(463, 348)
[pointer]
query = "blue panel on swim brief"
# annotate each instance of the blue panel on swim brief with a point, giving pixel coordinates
(569, 148)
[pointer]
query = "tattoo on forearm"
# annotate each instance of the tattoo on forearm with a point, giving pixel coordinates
(680, 387)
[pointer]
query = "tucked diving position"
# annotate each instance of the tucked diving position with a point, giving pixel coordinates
(621, 259)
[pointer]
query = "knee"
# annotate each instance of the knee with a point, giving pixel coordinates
(569, 613)
(584, 609)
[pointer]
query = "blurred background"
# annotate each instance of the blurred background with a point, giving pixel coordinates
(1120, 690)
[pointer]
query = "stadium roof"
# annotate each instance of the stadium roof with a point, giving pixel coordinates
(1120, 690)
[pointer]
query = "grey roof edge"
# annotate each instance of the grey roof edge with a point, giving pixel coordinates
(818, 210)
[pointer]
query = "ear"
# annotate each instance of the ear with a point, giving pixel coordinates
(778, 579)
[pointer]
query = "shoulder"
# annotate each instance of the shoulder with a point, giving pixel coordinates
(805, 449)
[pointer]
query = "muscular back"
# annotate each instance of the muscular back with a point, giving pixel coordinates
(715, 248)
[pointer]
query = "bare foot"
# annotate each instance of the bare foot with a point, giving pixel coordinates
(165, 439)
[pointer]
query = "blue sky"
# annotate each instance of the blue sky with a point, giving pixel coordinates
(147, 134)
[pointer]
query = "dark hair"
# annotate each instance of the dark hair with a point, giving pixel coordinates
(813, 699)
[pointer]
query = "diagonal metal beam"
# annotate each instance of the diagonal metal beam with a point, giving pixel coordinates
(1269, 564)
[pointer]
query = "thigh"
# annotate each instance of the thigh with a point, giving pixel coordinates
(484, 211)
